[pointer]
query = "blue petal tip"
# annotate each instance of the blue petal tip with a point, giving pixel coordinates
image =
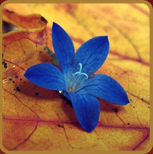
(55, 25)
(26, 73)
(88, 130)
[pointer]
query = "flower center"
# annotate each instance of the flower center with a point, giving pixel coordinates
(79, 72)
(76, 79)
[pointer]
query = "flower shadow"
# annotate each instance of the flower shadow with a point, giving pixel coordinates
(69, 113)
(39, 93)
(108, 107)
(34, 91)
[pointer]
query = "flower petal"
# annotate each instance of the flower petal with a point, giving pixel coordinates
(87, 110)
(92, 54)
(46, 75)
(106, 88)
(63, 47)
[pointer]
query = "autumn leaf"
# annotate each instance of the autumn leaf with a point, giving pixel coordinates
(29, 21)
(38, 119)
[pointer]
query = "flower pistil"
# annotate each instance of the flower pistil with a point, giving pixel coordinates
(76, 79)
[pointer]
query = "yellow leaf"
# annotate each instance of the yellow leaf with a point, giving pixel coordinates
(41, 119)
(31, 21)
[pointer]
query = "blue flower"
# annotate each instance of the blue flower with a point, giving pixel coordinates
(75, 78)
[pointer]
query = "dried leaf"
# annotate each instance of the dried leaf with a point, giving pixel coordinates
(29, 21)
(38, 119)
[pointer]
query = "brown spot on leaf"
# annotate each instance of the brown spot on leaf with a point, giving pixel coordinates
(115, 110)
(36, 93)
(17, 89)
(4, 64)
(59, 125)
